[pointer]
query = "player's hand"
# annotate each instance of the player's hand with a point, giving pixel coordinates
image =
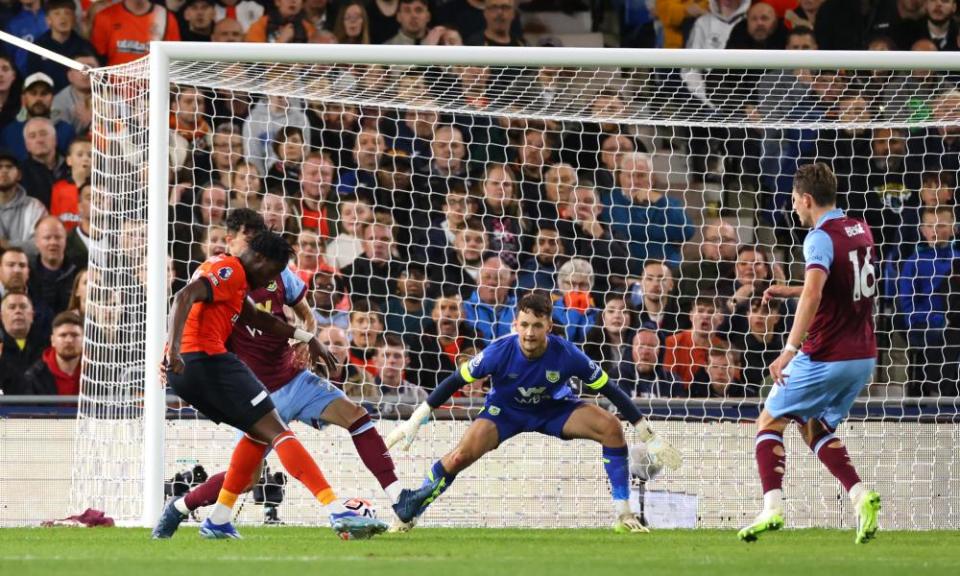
(162, 368)
(776, 291)
(664, 452)
(319, 352)
(407, 432)
(173, 362)
(301, 356)
(779, 365)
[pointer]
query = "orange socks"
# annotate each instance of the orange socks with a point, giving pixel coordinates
(301, 466)
(243, 463)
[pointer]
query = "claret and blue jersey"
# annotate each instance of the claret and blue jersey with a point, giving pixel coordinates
(528, 384)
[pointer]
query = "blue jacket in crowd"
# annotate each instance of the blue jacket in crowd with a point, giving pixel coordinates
(656, 230)
(922, 286)
(29, 26)
(575, 324)
(488, 321)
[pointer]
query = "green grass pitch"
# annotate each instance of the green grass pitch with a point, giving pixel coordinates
(452, 552)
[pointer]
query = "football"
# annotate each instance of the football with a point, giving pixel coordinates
(642, 464)
(360, 507)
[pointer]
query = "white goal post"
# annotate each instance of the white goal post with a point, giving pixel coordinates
(194, 63)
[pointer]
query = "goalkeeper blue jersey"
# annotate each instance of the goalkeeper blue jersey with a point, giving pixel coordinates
(526, 384)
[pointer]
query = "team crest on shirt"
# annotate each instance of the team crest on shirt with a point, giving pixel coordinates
(553, 376)
(226, 272)
(272, 286)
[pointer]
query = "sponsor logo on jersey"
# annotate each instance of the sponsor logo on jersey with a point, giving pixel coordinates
(226, 272)
(553, 376)
(475, 363)
(595, 371)
(513, 375)
(854, 230)
(272, 286)
(531, 395)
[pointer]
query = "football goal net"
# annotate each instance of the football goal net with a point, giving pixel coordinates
(425, 189)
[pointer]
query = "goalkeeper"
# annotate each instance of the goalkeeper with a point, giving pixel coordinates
(529, 373)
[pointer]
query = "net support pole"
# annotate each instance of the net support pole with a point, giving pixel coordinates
(154, 407)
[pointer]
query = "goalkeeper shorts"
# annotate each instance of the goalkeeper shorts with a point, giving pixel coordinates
(547, 418)
(222, 388)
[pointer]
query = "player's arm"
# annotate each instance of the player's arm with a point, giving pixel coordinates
(818, 254)
(469, 372)
(813, 282)
(656, 446)
(302, 310)
(198, 290)
(270, 324)
(782, 291)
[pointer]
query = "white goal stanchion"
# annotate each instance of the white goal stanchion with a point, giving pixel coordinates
(400, 173)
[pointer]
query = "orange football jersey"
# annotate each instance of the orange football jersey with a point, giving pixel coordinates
(210, 323)
(122, 36)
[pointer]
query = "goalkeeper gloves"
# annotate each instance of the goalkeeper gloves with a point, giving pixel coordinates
(407, 431)
(657, 447)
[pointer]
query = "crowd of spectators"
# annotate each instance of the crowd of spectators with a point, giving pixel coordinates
(417, 230)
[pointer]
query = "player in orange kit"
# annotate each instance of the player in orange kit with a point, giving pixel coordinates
(224, 389)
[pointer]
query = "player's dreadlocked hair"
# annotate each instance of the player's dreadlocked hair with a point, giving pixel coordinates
(244, 218)
(271, 246)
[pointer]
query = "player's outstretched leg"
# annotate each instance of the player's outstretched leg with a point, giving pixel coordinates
(831, 451)
(366, 439)
(592, 423)
(298, 463)
(480, 438)
(771, 464)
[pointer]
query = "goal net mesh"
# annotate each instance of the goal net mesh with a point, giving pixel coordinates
(654, 205)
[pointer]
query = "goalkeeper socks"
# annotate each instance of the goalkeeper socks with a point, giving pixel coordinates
(615, 462)
(203, 495)
(439, 479)
(373, 451)
(243, 463)
(771, 460)
(831, 451)
(297, 461)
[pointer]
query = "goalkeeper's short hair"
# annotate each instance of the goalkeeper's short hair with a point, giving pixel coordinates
(537, 302)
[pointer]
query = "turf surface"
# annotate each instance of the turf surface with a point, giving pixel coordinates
(449, 552)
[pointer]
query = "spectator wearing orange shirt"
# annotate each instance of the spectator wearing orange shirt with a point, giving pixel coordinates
(122, 32)
(285, 24)
(687, 350)
(186, 116)
(677, 17)
(65, 195)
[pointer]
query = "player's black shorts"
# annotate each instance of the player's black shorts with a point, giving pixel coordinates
(222, 388)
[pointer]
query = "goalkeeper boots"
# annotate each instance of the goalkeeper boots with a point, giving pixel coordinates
(629, 522)
(212, 531)
(767, 521)
(412, 503)
(169, 521)
(868, 508)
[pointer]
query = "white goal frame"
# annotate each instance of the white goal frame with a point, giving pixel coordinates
(162, 53)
